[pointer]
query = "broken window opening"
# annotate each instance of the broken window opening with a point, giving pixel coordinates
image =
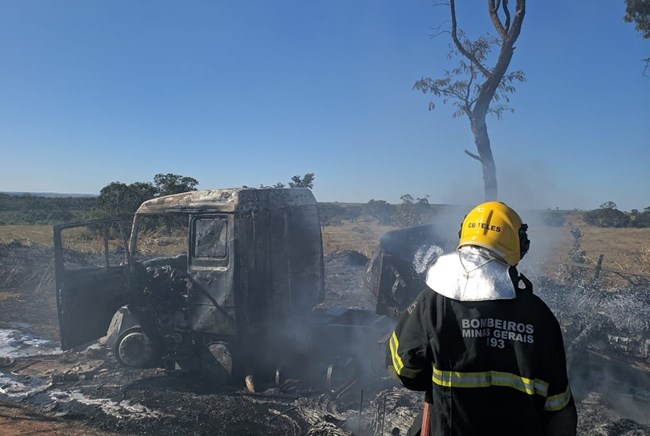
(211, 236)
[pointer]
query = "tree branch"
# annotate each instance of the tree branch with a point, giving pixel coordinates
(458, 95)
(506, 11)
(437, 30)
(494, 15)
(459, 46)
(472, 155)
(503, 61)
(520, 11)
(469, 86)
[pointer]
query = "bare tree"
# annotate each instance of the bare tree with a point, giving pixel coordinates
(472, 86)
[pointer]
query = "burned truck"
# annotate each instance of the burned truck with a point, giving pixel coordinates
(397, 271)
(223, 281)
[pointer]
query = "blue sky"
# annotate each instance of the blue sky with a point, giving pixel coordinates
(239, 93)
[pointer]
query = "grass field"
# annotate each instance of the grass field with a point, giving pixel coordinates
(26, 234)
(362, 236)
(623, 248)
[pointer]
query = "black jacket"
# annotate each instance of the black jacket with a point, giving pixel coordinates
(493, 367)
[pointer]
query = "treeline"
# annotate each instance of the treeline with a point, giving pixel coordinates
(411, 212)
(32, 209)
(116, 199)
(607, 215)
(414, 211)
(121, 200)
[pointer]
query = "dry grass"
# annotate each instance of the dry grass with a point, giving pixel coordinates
(362, 236)
(162, 243)
(27, 234)
(624, 248)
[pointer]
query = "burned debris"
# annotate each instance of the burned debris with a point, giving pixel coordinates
(148, 373)
(237, 300)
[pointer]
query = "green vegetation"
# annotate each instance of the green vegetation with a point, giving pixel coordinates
(32, 209)
(414, 211)
(120, 200)
(306, 181)
(638, 12)
(607, 218)
(116, 199)
(607, 215)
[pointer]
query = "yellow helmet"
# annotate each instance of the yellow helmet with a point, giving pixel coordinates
(497, 227)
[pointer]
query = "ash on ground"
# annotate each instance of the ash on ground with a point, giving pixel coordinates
(606, 334)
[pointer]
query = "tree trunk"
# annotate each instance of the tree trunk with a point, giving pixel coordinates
(482, 141)
(509, 34)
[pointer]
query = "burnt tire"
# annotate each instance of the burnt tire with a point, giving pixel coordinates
(134, 349)
(216, 363)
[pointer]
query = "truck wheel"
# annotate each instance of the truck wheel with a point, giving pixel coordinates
(216, 363)
(134, 349)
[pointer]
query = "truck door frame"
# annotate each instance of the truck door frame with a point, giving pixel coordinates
(87, 297)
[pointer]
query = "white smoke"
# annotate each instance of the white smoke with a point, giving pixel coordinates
(425, 256)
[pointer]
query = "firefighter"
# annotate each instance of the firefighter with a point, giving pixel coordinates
(488, 353)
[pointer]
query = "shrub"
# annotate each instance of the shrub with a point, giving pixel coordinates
(606, 218)
(642, 219)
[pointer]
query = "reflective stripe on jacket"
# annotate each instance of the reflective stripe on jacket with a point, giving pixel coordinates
(494, 367)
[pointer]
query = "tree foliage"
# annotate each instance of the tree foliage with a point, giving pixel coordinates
(118, 199)
(413, 211)
(473, 86)
(461, 85)
(642, 219)
(353, 212)
(306, 181)
(638, 12)
(607, 217)
(608, 205)
(330, 214)
(34, 209)
(168, 184)
(382, 211)
(278, 185)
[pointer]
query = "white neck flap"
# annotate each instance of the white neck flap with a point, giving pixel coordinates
(471, 274)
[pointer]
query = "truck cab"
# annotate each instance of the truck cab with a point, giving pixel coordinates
(225, 275)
